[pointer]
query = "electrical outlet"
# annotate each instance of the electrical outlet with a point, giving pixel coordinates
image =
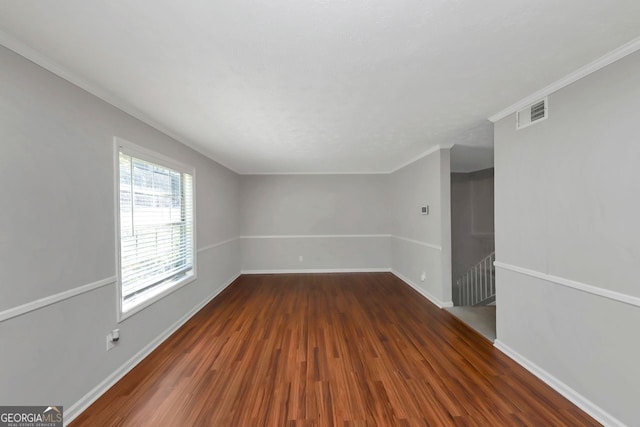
(110, 343)
(112, 338)
(300, 258)
(423, 277)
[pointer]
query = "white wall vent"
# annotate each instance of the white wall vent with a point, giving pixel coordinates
(534, 113)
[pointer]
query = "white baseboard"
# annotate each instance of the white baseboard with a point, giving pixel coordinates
(82, 404)
(427, 295)
(318, 270)
(573, 396)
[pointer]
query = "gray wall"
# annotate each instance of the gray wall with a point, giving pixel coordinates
(353, 222)
(57, 234)
(566, 218)
(472, 212)
(333, 221)
(422, 243)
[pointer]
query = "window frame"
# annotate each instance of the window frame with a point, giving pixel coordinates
(147, 155)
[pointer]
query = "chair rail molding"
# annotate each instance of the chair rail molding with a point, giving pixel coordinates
(594, 290)
(54, 299)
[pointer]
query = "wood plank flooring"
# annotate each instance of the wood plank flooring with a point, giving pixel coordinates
(328, 350)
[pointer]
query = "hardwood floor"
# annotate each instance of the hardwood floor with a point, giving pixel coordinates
(328, 350)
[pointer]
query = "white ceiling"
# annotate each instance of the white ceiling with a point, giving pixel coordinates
(277, 86)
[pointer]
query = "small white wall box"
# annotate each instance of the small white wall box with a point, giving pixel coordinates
(424, 210)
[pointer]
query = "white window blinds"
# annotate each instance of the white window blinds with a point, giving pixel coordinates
(156, 229)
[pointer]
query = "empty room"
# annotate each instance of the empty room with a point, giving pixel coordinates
(323, 213)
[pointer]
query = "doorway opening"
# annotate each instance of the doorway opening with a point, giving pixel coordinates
(473, 250)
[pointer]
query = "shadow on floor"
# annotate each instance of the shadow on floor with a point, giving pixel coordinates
(482, 319)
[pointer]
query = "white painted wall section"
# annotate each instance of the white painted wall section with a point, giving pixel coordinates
(567, 241)
(57, 239)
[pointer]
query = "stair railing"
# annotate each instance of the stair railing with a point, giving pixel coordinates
(478, 286)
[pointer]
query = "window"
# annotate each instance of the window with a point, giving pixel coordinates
(156, 227)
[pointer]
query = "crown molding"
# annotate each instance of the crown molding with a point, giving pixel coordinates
(611, 57)
(431, 150)
(249, 173)
(422, 155)
(43, 61)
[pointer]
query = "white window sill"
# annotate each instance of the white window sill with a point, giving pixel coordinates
(152, 296)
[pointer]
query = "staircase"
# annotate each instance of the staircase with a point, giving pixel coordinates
(478, 285)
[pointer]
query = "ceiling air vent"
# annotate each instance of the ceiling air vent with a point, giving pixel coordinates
(534, 113)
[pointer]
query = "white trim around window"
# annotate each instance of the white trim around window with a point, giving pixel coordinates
(155, 291)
